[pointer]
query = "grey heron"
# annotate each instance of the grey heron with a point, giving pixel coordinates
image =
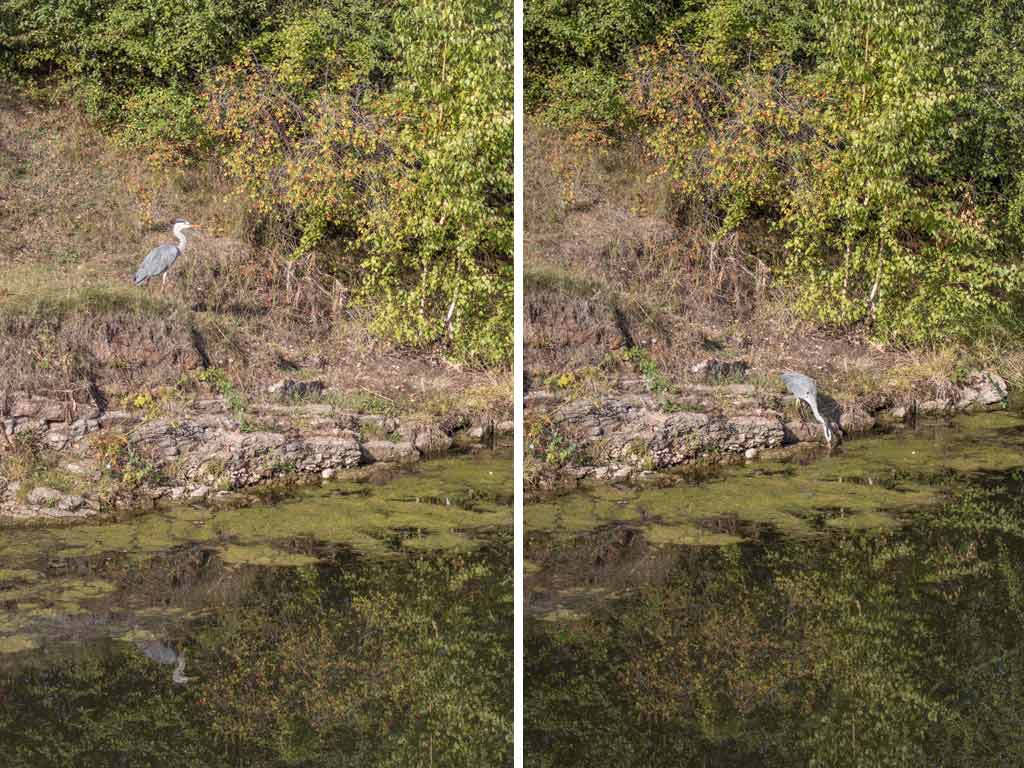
(803, 388)
(164, 654)
(160, 259)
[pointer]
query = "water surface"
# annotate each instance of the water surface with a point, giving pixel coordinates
(864, 608)
(358, 623)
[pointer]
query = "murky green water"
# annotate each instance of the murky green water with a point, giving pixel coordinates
(863, 609)
(355, 624)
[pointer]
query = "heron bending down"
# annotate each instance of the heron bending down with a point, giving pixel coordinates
(160, 258)
(803, 388)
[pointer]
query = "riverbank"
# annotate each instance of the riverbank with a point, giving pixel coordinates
(252, 366)
(617, 436)
(650, 343)
(64, 459)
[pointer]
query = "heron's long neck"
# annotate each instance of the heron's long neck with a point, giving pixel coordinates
(817, 415)
(178, 675)
(181, 238)
(814, 408)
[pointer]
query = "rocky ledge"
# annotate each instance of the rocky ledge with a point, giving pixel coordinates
(616, 436)
(95, 459)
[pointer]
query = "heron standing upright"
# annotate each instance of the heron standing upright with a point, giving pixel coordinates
(803, 388)
(160, 258)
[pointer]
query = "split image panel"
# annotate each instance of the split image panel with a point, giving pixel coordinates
(771, 261)
(256, 476)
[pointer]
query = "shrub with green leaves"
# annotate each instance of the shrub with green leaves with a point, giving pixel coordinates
(887, 224)
(397, 158)
(378, 135)
(882, 141)
(574, 53)
(134, 63)
(440, 245)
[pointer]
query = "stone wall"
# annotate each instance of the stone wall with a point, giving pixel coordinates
(618, 435)
(205, 450)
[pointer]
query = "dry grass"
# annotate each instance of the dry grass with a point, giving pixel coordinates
(78, 213)
(611, 263)
(607, 214)
(1013, 370)
(926, 366)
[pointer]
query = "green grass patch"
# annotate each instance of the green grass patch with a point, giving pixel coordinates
(538, 279)
(52, 304)
(360, 401)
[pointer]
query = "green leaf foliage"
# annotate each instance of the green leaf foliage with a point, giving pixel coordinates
(441, 245)
(379, 134)
(880, 139)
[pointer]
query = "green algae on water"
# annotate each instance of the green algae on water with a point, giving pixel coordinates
(264, 554)
(18, 643)
(864, 520)
(62, 592)
(449, 500)
(13, 575)
(690, 535)
(866, 484)
(447, 505)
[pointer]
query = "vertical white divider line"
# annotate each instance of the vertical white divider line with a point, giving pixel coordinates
(519, 530)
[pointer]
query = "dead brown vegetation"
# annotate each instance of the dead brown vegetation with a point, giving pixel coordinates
(78, 214)
(611, 264)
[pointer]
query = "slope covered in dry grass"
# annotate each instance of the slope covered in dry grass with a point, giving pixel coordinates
(621, 286)
(78, 214)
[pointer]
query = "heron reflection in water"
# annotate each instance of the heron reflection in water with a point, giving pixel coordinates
(162, 653)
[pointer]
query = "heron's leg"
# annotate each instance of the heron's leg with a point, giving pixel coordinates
(163, 282)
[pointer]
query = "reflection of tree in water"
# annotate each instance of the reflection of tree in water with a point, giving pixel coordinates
(368, 663)
(901, 649)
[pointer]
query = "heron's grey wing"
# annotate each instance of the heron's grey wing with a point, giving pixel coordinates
(156, 262)
(792, 382)
(801, 386)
